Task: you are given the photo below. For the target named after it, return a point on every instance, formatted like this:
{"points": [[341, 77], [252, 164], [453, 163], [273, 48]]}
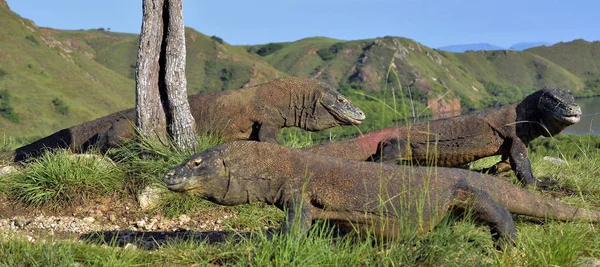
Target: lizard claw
{"points": [[548, 185]]}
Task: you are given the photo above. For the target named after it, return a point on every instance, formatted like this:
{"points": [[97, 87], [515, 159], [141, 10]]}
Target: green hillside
{"points": [[51, 79], [579, 57], [212, 64], [515, 72], [45, 85]]}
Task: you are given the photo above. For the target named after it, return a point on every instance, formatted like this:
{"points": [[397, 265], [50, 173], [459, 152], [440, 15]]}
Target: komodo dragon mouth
{"points": [[571, 114]]}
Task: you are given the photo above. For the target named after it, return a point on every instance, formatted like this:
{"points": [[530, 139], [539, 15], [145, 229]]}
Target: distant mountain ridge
{"points": [[527, 45], [461, 48]]}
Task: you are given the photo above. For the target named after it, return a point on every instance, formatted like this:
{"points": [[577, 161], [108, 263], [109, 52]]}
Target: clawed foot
{"points": [[496, 169], [548, 185]]}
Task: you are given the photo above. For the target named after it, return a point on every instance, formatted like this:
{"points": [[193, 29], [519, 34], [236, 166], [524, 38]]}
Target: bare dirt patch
{"points": [[107, 217]]}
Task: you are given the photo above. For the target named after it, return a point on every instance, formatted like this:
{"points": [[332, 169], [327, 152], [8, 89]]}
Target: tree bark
{"points": [[180, 120], [162, 109]]}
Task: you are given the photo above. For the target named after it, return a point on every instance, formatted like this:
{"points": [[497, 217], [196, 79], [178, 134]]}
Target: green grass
{"points": [[450, 244], [60, 179], [453, 242]]}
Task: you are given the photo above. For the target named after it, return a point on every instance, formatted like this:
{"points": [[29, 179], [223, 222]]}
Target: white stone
{"points": [[183, 218], [149, 198], [7, 170], [554, 160]]}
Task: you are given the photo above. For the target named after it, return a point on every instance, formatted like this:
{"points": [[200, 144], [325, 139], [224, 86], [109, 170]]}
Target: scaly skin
{"points": [[253, 113], [459, 140], [382, 198]]}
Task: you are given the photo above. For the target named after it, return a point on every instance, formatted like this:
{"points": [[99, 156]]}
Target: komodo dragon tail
{"points": [[520, 201]]}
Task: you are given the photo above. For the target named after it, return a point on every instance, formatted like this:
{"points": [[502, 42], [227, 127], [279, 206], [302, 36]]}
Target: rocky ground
{"points": [[105, 218]]}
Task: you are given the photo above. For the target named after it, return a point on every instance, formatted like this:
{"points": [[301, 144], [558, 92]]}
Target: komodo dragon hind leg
{"points": [[493, 214]]}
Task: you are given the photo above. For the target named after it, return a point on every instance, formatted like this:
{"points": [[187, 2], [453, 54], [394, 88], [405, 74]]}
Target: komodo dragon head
{"points": [[340, 107], [205, 175], [315, 105], [556, 109], [206, 165]]}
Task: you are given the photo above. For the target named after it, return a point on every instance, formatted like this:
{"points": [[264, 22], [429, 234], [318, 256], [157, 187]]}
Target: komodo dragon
{"points": [[311, 187], [253, 113], [459, 140]]}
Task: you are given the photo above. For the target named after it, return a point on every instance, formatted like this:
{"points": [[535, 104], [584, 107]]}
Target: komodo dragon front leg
{"points": [[267, 132], [519, 161]]}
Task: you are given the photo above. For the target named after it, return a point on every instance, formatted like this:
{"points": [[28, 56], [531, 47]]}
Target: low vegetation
{"points": [[6, 108], [60, 106], [265, 50], [58, 179], [330, 52], [61, 178]]}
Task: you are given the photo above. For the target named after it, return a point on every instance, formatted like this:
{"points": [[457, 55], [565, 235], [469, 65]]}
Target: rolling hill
{"points": [[51, 79]]}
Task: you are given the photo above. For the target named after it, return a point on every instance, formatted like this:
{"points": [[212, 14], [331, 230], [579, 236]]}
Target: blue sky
{"points": [[434, 23]]}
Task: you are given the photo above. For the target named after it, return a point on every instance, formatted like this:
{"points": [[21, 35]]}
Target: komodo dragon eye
{"points": [[342, 99], [197, 162]]}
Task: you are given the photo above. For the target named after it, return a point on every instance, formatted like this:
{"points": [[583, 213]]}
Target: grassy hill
{"points": [[51, 79], [580, 57], [212, 64], [44, 85]]}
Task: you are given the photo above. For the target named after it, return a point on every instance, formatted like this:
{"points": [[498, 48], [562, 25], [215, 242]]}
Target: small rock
{"points": [[130, 246], [103, 208], [7, 170], [183, 218], [588, 261], [150, 197], [88, 220], [141, 224], [107, 162], [554, 160]]}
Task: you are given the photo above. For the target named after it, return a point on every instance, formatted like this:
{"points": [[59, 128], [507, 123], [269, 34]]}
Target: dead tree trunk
{"points": [[162, 108]]}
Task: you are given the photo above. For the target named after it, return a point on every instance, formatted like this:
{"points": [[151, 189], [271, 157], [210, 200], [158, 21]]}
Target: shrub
{"points": [[60, 106], [226, 75], [6, 109], [32, 39], [267, 49], [330, 52], [216, 38], [209, 66]]}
